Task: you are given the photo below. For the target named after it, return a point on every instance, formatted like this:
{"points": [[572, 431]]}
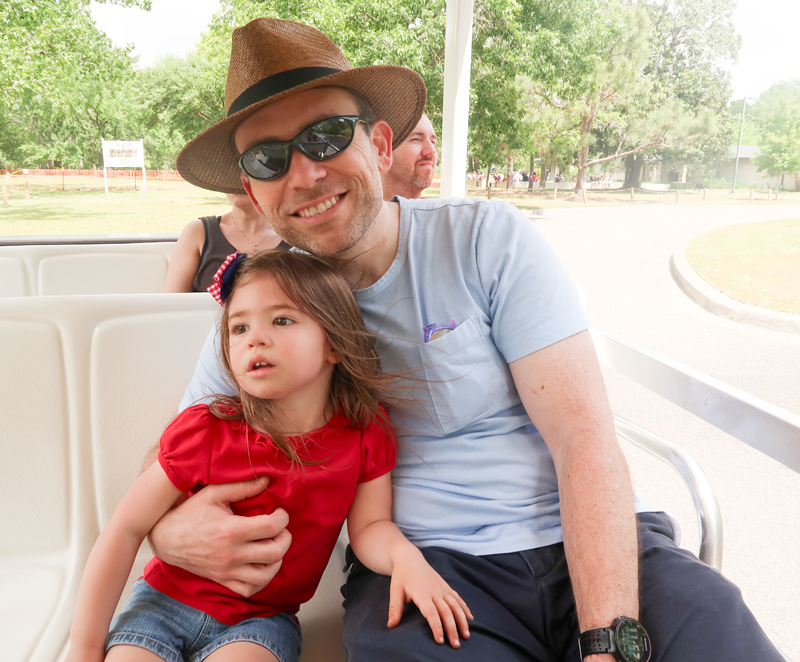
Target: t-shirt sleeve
{"points": [[185, 448], [378, 452], [209, 378], [533, 303]]}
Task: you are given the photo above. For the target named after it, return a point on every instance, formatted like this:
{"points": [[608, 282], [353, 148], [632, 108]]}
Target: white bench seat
{"points": [[84, 268], [87, 385]]}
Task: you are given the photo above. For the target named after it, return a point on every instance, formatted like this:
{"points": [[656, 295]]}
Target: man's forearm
{"points": [[600, 534], [562, 389]]}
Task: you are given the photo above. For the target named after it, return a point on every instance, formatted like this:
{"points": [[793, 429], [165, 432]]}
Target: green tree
{"points": [[57, 83], [553, 129], [175, 100], [500, 47], [369, 32], [60, 84], [592, 71], [693, 43], [777, 117]]}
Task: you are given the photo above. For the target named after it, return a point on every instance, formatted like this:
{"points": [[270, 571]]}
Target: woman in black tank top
{"points": [[206, 242]]}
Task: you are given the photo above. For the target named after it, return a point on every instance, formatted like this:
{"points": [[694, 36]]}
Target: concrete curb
{"points": [[715, 302]]}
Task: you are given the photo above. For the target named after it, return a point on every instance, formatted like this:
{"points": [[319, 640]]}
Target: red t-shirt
{"points": [[199, 449]]}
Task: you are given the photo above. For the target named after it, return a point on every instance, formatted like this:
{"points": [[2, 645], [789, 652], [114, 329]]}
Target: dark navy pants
{"points": [[524, 609]]}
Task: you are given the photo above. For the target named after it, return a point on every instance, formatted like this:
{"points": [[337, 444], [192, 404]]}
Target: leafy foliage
{"points": [[574, 81], [693, 44], [60, 84], [777, 117]]}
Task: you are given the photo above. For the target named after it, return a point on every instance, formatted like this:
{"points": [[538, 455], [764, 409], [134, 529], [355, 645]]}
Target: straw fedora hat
{"points": [[271, 59]]}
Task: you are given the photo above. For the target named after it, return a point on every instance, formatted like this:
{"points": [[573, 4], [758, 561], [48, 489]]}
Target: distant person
{"points": [[412, 163], [206, 242]]}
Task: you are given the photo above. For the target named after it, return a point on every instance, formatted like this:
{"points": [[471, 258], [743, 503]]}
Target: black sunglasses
{"points": [[321, 141]]}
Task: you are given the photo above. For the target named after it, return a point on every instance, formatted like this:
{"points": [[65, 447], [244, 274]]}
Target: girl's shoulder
{"points": [[200, 416]]}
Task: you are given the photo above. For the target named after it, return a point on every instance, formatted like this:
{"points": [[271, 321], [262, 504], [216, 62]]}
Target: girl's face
{"points": [[278, 352]]}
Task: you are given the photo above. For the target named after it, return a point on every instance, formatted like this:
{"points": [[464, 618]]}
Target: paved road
{"points": [[621, 255]]}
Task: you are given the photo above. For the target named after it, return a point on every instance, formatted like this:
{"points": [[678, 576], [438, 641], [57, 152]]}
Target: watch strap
{"points": [[593, 642]]}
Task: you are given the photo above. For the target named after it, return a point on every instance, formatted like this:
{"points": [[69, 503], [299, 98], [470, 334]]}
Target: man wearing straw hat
{"points": [[509, 476]]}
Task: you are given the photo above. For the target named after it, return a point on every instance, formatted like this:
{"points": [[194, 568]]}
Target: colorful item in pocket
{"points": [[436, 331]]}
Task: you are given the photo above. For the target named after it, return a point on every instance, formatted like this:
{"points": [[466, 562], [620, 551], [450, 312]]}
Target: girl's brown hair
{"points": [[316, 287]]}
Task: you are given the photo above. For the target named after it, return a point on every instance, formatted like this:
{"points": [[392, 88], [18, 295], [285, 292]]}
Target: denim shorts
{"points": [[177, 632]]}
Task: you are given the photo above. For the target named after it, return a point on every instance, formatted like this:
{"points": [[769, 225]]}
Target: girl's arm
{"points": [[111, 560], [380, 545]]}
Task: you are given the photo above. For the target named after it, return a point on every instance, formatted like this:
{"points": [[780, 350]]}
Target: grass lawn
{"points": [[92, 212], [755, 263]]}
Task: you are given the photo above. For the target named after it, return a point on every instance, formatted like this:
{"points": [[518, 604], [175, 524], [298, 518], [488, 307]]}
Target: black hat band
{"points": [[277, 83]]}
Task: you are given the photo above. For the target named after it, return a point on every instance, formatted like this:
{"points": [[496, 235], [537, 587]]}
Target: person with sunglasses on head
{"points": [[413, 163], [509, 476]]}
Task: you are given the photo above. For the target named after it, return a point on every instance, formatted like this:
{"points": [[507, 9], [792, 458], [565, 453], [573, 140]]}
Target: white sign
{"points": [[123, 154]]}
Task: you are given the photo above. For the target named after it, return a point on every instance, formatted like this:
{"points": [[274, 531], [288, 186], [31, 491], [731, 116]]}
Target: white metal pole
{"points": [[455, 115], [739, 146], [105, 175], [144, 171]]}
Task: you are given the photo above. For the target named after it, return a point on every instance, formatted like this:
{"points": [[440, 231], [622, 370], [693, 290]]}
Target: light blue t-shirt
{"points": [[473, 473]]}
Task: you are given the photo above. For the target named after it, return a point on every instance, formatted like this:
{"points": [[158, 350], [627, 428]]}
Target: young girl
{"points": [[307, 416]]}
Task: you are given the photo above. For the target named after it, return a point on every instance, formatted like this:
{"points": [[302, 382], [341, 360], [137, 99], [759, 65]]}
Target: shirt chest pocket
{"points": [[464, 382]]}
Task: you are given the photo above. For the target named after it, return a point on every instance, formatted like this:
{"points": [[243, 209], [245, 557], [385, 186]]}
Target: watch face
{"points": [[632, 641]]}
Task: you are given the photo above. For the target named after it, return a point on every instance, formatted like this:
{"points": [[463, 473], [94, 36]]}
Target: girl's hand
{"points": [[413, 580]]}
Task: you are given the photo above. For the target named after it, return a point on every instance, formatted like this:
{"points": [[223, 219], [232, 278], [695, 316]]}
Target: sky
{"points": [[768, 30]]}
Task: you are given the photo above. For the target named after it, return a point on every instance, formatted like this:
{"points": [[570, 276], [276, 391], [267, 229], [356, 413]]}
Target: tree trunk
{"points": [[583, 155], [510, 172], [583, 160], [530, 174], [542, 182], [634, 163], [629, 176], [488, 175], [553, 168]]}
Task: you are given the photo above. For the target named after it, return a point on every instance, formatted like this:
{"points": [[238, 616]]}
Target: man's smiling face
{"points": [[323, 207]]}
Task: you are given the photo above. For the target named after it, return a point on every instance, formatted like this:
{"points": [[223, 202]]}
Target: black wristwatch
{"points": [[626, 640]]}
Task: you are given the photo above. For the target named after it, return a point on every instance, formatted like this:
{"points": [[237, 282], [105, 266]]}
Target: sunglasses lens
{"points": [[327, 138], [265, 161], [321, 141]]}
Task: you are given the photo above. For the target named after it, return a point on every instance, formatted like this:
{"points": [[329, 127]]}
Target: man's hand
{"points": [[203, 536]]}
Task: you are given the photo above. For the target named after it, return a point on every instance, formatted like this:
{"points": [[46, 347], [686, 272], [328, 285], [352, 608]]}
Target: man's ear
{"points": [[248, 187], [381, 136]]}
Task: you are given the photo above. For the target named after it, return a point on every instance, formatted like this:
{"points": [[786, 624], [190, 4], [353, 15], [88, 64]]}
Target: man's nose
{"points": [[429, 148], [304, 172]]}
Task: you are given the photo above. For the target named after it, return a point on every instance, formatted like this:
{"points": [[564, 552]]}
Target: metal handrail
{"points": [[766, 427], [709, 516], [761, 425]]}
